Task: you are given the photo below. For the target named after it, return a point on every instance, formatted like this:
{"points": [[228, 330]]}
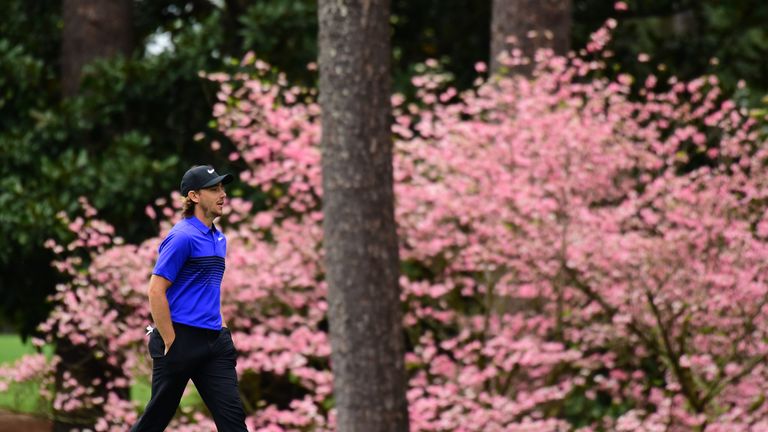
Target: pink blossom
{"points": [[555, 242]]}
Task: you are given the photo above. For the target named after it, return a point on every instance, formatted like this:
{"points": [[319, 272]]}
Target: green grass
{"points": [[26, 397], [11, 348], [23, 398]]}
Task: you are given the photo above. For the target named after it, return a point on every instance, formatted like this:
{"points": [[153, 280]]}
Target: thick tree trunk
{"points": [[361, 253], [93, 29], [534, 24]]}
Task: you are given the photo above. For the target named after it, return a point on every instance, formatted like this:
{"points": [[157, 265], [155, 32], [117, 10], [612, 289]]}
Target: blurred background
{"points": [[124, 134], [118, 119]]}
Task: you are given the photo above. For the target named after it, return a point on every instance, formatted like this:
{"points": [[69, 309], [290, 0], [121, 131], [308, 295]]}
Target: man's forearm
{"points": [[161, 312]]}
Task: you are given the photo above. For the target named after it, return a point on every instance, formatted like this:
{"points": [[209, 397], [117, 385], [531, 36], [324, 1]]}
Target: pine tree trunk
{"points": [[534, 24], [361, 252], [93, 29]]}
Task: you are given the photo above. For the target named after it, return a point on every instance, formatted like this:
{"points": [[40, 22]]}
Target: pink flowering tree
{"points": [[578, 253]]}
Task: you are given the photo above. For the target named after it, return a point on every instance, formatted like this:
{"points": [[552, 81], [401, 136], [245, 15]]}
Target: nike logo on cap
{"points": [[210, 171]]}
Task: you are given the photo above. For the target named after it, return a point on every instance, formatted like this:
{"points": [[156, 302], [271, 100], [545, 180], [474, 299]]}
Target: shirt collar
{"points": [[203, 228]]}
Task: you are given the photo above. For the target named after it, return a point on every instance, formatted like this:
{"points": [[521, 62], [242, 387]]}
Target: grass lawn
{"points": [[19, 397], [26, 397], [11, 348]]}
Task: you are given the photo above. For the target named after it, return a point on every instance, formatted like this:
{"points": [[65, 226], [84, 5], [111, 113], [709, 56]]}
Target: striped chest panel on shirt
{"points": [[205, 270]]}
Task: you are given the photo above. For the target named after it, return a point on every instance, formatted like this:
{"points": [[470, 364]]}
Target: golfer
{"points": [[190, 339]]}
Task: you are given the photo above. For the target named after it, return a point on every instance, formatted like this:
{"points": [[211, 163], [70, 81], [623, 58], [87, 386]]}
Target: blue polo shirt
{"points": [[192, 258]]}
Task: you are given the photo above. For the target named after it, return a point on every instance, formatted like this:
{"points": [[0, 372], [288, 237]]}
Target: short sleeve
{"points": [[173, 253]]}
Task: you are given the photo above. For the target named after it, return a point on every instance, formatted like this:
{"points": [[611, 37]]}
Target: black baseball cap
{"points": [[201, 177]]}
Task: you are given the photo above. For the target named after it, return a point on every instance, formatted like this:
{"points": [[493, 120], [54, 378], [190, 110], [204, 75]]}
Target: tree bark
{"points": [[361, 251], [93, 29], [534, 24]]}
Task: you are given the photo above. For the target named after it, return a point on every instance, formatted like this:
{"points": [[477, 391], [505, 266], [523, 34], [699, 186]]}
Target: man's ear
{"points": [[193, 195]]}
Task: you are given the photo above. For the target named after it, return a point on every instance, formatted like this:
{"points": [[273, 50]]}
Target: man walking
{"points": [[190, 340]]}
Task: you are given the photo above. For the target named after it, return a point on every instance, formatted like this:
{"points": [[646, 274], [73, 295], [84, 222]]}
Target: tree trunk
{"points": [[361, 252], [93, 29], [534, 24]]}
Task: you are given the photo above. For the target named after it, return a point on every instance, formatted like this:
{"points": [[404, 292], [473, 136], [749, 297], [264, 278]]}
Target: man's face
{"points": [[211, 200]]}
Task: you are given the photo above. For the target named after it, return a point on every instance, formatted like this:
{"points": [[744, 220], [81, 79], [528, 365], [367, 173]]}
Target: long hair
{"points": [[187, 207]]}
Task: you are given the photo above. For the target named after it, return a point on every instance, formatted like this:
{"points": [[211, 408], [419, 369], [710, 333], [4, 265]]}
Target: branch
{"points": [[673, 357], [610, 309]]}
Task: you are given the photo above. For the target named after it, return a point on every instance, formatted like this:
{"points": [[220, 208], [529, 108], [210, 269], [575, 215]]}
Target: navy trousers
{"points": [[208, 358]]}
